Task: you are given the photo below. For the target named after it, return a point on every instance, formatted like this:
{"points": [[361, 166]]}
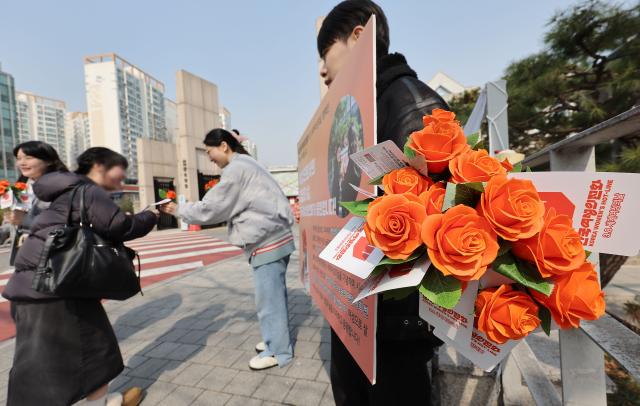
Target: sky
{"points": [[261, 54]]}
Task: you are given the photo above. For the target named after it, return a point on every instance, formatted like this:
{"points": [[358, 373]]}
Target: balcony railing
{"points": [[581, 350]]}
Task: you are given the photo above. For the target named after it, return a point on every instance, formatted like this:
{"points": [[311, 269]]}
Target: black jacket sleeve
{"points": [[110, 222]]}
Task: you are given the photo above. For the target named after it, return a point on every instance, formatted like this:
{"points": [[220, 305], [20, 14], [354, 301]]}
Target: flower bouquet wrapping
{"points": [[14, 196], [491, 252]]}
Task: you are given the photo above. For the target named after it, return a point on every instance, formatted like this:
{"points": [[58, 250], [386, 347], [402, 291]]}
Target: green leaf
{"points": [[162, 193], [376, 181], [521, 272], [473, 140], [416, 254], [409, 152], [456, 194], [477, 186], [358, 208], [545, 318], [529, 169], [398, 294], [587, 254], [442, 290], [517, 168]]}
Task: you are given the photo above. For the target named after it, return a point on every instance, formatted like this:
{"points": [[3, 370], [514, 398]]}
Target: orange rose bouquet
{"points": [[167, 194], [457, 207], [211, 184], [14, 195]]}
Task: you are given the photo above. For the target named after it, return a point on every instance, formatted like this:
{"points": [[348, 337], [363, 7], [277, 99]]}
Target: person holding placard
{"points": [[405, 343]]}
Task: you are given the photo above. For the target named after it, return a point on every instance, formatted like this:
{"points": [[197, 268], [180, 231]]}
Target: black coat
{"points": [[402, 101], [106, 218]]}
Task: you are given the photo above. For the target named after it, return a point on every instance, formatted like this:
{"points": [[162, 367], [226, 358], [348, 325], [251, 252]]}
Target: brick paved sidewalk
{"points": [[188, 341]]}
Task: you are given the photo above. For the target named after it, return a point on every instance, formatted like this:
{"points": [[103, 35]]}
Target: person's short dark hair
{"points": [[44, 152], [236, 131], [215, 137], [340, 22], [101, 156]]}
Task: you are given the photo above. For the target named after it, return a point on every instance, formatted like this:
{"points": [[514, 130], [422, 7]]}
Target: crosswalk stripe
{"points": [[172, 237], [184, 247], [188, 254], [168, 243], [171, 268]]}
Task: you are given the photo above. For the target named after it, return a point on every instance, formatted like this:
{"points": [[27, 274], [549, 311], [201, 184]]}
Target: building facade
{"points": [[8, 126], [78, 135], [41, 119], [171, 119], [124, 104], [446, 86], [225, 119]]}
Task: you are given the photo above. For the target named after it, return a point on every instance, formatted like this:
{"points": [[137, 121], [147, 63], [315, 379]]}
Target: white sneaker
{"points": [[261, 346], [114, 399], [258, 364]]}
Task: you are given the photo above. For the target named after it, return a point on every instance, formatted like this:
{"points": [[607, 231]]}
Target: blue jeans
{"points": [[273, 315]]}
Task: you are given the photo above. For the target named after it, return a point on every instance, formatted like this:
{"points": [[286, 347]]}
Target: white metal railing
{"points": [[582, 350]]}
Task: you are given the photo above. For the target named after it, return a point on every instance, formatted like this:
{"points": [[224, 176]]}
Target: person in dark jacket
{"points": [[404, 342], [33, 160], [66, 349]]}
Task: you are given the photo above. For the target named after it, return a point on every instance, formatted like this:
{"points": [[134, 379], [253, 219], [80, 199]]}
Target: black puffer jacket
{"points": [[402, 102], [105, 216]]}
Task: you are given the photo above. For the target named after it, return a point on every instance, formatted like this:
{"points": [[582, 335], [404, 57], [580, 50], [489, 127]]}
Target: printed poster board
{"points": [[343, 124]]}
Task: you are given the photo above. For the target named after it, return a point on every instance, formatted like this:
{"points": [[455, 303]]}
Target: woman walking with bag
{"points": [[66, 349], [260, 221]]}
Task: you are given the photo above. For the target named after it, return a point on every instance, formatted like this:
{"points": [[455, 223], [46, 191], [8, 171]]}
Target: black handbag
{"points": [[78, 263]]}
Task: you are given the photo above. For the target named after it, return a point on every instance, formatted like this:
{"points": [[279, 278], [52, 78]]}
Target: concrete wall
{"points": [[198, 113], [155, 159]]}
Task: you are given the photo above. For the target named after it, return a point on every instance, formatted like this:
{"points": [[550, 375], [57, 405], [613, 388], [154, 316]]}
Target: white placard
{"points": [[603, 206], [363, 192], [457, 323], [379, 159], [398, 277], [350, 251], [484, 353]]}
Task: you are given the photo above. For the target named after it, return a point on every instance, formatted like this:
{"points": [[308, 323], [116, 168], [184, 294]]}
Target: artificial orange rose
{"points": [[5, 183], [576, 296], [512, 207], [405, 180], [20, 186], [394, 223], [556, 249], [503, 314], [439, 141], [171, 194], [440, 116], [474, 166], [460, 242], [433, 198], [3, 190]]}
